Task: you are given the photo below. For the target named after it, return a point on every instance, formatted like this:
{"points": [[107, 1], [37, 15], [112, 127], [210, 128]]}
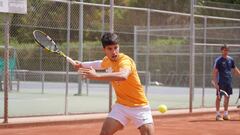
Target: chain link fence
{"points": [[155, 35]]}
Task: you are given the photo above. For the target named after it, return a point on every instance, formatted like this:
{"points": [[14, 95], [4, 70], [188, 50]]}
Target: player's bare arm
{"points": [[115, 76], [88, 64], [236, 71]]}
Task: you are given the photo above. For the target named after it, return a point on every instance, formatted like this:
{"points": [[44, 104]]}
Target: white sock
{"points": [[225, 113], [218, 113]]}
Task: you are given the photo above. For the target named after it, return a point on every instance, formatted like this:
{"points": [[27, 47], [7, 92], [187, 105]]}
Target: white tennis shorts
{"points": [[138, 115]]}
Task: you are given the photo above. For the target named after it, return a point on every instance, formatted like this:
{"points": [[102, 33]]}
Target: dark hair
{"points": [[224, 47], [109, 39]]}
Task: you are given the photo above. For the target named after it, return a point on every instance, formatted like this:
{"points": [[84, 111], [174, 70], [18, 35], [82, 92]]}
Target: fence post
{"points": [[68, 53], [6, 66], [80, 56], [192, 57], [204, 59], [148, 50], [111, 30]]}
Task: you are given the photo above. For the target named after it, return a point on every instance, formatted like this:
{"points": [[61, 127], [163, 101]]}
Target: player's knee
{"points": [[146, 129], [106, 132], [227, 98]]}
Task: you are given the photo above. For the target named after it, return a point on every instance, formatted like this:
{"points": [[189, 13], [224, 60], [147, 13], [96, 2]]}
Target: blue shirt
{"points": [[224, 66]]}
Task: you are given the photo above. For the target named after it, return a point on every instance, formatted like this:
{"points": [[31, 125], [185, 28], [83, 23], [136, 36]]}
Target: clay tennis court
{"points": [[184, 124]]}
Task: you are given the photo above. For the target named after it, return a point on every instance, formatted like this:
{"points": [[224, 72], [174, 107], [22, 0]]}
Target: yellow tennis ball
{"points": [[162, 108]]}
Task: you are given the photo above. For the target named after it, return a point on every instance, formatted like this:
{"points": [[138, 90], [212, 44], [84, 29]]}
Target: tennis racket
{"points": [[47, 43], [219, 91]]}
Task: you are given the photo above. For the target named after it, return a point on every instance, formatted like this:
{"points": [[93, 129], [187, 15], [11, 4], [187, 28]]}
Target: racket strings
{"points": [[46, 41]]}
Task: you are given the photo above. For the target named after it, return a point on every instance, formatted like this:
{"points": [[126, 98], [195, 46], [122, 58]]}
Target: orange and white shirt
{"points": [[129, 92]]}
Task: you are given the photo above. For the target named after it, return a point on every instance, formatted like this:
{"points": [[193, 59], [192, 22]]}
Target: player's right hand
{"points": [[77, 65]]}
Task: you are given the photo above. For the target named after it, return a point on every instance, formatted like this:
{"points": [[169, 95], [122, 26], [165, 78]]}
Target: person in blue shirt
{"points": [[222, 77]]}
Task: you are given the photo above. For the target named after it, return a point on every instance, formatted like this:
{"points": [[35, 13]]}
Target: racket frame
{"points": [[219, 91], [53, 42]]}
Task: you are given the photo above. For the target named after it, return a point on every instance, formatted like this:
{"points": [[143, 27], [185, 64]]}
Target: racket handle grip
{"points": [[70, 60]]}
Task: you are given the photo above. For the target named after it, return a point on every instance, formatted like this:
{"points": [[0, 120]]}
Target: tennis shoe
{"points": [[219, 118], [226, 117]]}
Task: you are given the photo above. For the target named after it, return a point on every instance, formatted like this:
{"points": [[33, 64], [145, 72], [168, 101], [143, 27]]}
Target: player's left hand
{"points": [[89, 73], [77, 65]]}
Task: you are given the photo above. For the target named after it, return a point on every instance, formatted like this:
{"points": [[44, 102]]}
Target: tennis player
{"points": [[131, 103], [222, 76]]}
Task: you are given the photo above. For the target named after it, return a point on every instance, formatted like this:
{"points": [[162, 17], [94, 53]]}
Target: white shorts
{"points": [[138, 115]]}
